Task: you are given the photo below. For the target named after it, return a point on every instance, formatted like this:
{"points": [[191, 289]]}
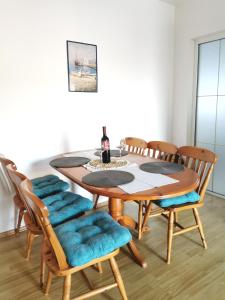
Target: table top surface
{"points": [[188, 181]]}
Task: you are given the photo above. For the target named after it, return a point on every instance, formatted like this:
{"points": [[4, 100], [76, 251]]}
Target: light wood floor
{"points": [[194, 273]]}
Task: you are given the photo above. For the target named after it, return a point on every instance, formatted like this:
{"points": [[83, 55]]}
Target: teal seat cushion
{"points": [[48, 185], [190, 197], [39, 181], [66, 205], [90, 237]]}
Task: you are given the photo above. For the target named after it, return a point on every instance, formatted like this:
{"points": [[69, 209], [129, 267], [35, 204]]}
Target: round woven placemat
{"points": [[161, 167], [114, 153], [69, 162], [110, 178]]}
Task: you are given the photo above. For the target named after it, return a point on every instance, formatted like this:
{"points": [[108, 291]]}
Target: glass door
{"points": [[210, 109]]}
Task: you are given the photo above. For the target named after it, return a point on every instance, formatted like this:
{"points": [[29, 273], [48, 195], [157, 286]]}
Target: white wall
{"points": [[39, 118], [194, 19]]}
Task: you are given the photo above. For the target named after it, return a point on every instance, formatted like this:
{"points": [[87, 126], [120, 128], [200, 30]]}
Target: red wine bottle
{"points": [[105, 147]]}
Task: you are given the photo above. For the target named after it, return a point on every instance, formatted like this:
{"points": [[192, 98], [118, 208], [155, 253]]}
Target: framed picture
{"points": [[82, 67]]}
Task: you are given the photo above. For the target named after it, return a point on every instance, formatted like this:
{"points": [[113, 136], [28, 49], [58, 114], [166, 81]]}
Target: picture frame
{"points": [[82, 67]]}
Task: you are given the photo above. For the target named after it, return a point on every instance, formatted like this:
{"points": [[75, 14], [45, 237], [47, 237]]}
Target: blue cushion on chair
{"points": [[90, 237], [65, 205], [190, 197], [48, 185], [45, 179]]}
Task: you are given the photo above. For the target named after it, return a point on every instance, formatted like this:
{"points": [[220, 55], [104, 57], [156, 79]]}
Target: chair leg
{"points": [[20, 217], [200, 227], [95, 200], [42, 273], [30, 238], [176, 217], [67, 286], [49, 282], [170, 235], [99, 267], [145, 205], [147, 213], [140, 217], [118, 277]]}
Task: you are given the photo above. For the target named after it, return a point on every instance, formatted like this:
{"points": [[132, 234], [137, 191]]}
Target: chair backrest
{"points": [[16, 178], [136, 145], [41, 214], [4, 162], [200, 160], [162, 150]]}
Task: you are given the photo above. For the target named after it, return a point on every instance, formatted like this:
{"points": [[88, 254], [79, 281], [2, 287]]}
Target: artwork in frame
{"points": [[82, 67]]}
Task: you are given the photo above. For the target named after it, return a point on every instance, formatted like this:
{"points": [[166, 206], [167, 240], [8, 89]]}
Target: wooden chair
{"points": [[54, 255], [16, 199], [162, 150], [64, 205], [33, 229], [136, 145], [45, 186], [202, 161]]}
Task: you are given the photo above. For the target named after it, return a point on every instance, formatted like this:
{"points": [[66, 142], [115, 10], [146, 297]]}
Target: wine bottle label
{"points": [[105, 145]]}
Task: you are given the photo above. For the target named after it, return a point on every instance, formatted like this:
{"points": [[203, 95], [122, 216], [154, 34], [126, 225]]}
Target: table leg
{"points": [[116, 208], [116, 211]]}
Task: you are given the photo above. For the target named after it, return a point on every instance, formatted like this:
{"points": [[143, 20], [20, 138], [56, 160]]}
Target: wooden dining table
{"points": [[188, 181]]}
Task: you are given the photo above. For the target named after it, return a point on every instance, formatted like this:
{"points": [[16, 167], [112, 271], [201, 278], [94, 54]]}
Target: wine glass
{"points": [[122, 146], [99, 152]]}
